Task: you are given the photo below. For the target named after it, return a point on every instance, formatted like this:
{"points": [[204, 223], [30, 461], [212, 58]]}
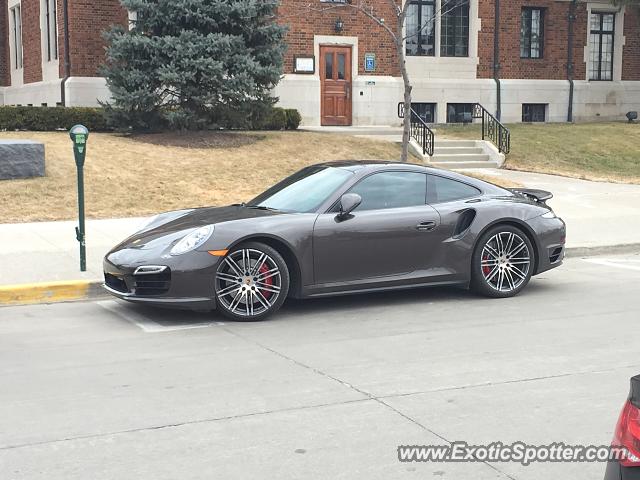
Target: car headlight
{"points": [[549, 214], [193, 240]]}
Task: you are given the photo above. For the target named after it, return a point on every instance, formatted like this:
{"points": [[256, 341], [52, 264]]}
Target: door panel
{"points": [[335, 85], [457, 254], [374, 243]]}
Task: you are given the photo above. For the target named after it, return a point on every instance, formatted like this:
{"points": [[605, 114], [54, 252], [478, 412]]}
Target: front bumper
{"points": [[187, 282]]}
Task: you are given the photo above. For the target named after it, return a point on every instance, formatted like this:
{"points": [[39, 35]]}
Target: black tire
{"points": [[254, 295], [489, 270]]}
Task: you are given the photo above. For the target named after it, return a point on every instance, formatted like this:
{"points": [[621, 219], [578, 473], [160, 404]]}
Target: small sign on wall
{"points": [[304, 64], [369, 62]]}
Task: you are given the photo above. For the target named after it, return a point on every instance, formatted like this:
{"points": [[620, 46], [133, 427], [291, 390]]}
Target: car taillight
{"points": [[627, 434]]}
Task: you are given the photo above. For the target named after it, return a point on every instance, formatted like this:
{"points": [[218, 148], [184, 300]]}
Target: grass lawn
{"points": [[141, 175], [132, 176], [592, 151]]}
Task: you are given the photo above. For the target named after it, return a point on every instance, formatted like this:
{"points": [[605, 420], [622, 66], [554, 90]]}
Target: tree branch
{"points": [[368, 11]]}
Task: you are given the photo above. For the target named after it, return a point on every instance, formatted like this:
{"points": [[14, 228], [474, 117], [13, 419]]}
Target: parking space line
{"points": [[146, 324], [615, 263]]}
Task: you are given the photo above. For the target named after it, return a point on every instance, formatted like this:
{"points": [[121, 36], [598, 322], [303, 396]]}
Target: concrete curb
{"points": [[50, 292], [574, 252], [55, 292]]}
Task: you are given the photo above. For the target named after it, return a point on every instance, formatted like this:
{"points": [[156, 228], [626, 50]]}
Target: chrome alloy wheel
{"points": [[248, 282], [506, 261]]}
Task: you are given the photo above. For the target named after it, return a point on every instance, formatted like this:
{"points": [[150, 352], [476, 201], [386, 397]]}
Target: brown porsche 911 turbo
{"points": [[340, 228]]}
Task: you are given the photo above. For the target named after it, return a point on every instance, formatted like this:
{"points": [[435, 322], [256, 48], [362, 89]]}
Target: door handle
{"points": [[426, 226], [347, 89]]}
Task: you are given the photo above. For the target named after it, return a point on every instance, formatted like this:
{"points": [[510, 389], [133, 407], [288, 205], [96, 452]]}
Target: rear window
{"points": [[441, 189]]}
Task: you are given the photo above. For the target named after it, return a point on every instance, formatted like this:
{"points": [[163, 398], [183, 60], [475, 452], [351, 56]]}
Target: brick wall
{"points": [[4, 44], [87, 20], [304, 22], [554, 61], [31, 41], [631, 49]]}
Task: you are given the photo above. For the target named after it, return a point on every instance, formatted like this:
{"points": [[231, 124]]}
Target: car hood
{"points": [[171, 226]]}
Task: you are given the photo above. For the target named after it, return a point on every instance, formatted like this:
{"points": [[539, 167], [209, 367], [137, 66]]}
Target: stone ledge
{"points": [[21, 159]]}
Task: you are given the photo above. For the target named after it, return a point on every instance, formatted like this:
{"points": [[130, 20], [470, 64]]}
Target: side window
{"points": [[391, 190], [440, 189]]}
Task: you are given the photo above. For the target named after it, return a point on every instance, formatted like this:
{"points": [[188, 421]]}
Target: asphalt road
{"points": [[326, 390]]}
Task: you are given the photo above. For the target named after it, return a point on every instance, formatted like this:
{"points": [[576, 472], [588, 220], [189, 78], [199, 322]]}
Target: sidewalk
{"points": [[389, 134], [49, 251], [598, 215]]}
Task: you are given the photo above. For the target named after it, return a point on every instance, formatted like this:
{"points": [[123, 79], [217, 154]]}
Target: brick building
{"points": [[34, 67], [551, 60]]}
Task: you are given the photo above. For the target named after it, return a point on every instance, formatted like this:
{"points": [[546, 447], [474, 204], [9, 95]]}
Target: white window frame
{"points": [[15, 26], [49, 30], [440, 7], [133, 18], [618, 38]]}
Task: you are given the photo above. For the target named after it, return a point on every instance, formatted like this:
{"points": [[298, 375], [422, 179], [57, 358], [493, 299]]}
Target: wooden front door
{"points": [[335, 88]]}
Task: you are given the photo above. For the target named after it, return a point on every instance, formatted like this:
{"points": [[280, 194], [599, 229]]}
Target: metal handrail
{"points": [[492, 129], [420, 131]]}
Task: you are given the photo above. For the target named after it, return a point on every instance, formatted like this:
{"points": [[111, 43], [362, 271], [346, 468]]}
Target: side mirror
{"points": [[348, 203]]}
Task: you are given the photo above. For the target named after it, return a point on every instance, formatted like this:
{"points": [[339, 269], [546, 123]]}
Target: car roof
{"points": [[370, 165], [364, 167]]}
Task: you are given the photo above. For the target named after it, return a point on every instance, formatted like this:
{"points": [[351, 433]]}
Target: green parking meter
{"points": [[79, 136]]}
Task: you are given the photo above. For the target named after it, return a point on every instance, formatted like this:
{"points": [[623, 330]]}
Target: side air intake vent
{"points": [[464, 222]]}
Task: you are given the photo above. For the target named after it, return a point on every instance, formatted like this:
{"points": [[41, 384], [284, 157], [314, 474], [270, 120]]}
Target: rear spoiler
{"points": [[634, 395], [540, 196]]}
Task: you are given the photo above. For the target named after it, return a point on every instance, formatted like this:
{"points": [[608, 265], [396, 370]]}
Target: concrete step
{"points": [[455, 143], [446, 150], [463, 165], [472, 157]]}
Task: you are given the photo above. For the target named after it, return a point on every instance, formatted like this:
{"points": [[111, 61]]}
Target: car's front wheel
{"points": [[502, 263], [252, 282]]}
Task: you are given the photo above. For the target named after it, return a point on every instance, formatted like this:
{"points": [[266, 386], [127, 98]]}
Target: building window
{"points": [[16, 32], [531, 32], [601, 46], [534, 112], [454, 29], [421, 28], [50, 30], [459, 112], [426, 111]]}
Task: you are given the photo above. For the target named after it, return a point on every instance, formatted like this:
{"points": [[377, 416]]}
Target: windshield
{"points": [[303, 191]]}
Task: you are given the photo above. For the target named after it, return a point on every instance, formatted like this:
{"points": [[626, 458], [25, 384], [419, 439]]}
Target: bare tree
{"points": [[396, 34]]}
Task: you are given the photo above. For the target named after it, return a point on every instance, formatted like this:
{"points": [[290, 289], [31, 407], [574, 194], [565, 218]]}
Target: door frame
{"points": [[353, 65]]}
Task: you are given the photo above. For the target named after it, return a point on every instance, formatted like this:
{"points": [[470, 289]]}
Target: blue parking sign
{"points": [[369, 62]]}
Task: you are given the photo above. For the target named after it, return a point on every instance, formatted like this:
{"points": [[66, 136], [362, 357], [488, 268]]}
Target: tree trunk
{"points": [[406, 132]]}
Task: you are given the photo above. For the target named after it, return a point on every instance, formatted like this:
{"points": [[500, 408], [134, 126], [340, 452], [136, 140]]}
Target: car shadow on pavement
{"points": [[358, 301], [421, 297]]}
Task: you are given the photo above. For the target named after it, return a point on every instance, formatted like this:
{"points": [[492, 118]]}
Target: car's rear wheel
{"points": [[502, 262], [252, 282]]}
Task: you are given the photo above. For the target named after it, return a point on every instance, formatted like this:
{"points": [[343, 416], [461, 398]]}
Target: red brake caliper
{"points": [[485, 268], [268, 281]]}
